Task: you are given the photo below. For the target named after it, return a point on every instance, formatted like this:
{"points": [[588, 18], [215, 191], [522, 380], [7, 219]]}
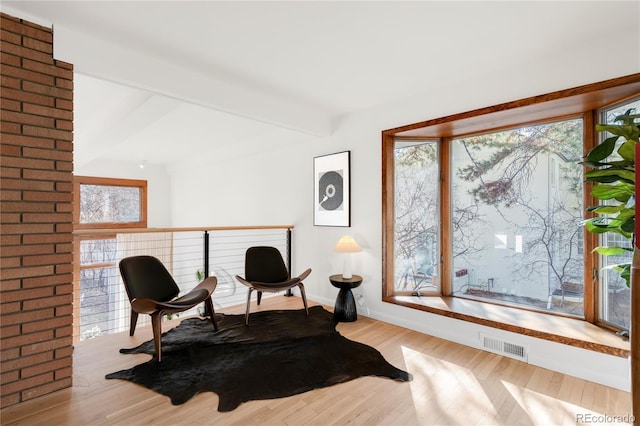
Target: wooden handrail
{"points": [[101, 231]]}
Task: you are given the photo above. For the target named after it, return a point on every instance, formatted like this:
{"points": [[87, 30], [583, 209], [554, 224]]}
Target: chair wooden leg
{"points": [[259, 297], [156, 321], [246, 314], [133, 322], [304, 297], [209, 308]]}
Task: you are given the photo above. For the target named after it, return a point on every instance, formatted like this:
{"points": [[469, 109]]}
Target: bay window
{"points": [[489, 205]]}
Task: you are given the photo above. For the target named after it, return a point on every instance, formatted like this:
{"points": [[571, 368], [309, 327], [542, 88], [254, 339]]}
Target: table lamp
{"points": [[347, 245]]}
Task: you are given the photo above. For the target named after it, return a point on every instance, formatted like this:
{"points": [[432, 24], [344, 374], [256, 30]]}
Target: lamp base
{"points": [[346, 268]]}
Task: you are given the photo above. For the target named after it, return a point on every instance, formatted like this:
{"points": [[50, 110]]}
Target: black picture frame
{"points": [[332, 189]]}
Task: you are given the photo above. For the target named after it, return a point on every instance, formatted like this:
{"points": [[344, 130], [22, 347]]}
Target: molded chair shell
{"points": [[265, 271], [152, 290]]}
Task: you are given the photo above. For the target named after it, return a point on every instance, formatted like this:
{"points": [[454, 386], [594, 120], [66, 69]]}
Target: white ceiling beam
{"points": [[99, 58], [141, 112]]}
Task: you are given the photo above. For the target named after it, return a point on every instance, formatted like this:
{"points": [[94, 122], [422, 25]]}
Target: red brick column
{"points": [[36, 165]]}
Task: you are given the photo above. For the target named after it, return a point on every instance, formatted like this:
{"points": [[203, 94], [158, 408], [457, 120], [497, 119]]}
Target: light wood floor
{"points": [[452, 385]]}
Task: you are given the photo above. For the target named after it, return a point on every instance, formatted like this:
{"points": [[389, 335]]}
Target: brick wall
{"points": [[36, 165]]}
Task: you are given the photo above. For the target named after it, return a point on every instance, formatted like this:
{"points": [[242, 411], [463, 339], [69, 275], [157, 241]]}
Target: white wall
{"points": [[276, 187]]}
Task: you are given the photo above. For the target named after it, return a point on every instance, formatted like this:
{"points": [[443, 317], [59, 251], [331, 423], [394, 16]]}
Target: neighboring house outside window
{"points": [[518, 231]]}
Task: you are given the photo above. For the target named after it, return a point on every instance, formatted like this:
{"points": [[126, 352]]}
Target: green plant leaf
{"points": [[607, 192], [610, 175], [594, 163], [611, 250], [627, 117], [616, 267], [626, 214], [629, 225], [626, 164], [626, 274], [624, 269], [606, 209], [629, 132], [619, 164], [627, 150], [595, 228], [615, 181], [604, 179], [603, 150]]}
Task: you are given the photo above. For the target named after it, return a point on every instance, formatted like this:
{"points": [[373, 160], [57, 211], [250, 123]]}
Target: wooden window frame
{"points": [[579, 102], [92, 180], [103, 181]]}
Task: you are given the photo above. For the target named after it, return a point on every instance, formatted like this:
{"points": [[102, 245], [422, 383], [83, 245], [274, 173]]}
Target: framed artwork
{"points": [[332, 189]]}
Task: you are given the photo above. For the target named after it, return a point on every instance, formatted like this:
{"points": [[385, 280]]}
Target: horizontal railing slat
{"points": [[89, 232]]}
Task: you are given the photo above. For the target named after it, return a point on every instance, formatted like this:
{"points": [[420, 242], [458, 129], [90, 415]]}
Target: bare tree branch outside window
{"points": [[526, 183]]}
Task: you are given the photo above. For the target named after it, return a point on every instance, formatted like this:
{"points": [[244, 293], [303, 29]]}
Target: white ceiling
{"points": [[315, 60]]}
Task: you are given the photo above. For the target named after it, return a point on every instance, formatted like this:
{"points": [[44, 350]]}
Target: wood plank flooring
{"points": [[452, 385]]}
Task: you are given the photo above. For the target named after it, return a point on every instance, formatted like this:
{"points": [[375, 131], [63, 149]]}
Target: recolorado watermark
{"points": [[590, 418]]}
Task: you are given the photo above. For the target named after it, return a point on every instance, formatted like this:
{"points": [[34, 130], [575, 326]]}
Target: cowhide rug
{"points": [[280, 353]]}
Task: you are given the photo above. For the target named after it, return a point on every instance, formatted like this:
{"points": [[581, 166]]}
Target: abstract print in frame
{"points": [[332, 189]]}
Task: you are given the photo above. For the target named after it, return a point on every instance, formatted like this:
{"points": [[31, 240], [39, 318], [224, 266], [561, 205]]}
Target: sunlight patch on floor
{"points": [[431, 373], [546, 410]]}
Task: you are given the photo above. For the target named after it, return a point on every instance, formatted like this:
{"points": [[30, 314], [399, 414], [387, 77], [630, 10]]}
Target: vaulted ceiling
{"points": [[204, 75]]}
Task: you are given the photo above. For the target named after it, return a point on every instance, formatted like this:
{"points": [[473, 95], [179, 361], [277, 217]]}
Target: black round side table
{"points": [[345, 308]]}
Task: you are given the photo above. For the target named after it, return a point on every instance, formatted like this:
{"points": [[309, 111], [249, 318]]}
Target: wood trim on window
{"points": [[563, 103], [590, 239], [388, 141], [93, 180], [446, 244]]}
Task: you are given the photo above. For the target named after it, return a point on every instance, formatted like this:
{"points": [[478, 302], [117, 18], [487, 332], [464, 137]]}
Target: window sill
{"points": [[568, 331]]}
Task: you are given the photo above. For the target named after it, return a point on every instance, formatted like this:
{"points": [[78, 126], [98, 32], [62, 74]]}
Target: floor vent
{"points": [[502, 347]]}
